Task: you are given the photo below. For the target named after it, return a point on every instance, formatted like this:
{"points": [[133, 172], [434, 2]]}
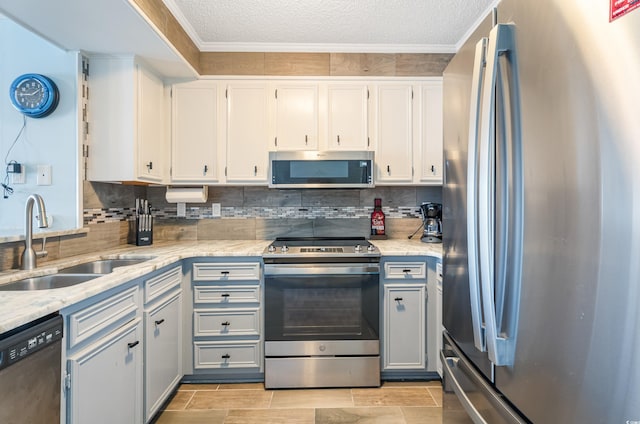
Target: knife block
{"points": [[141, 230]]}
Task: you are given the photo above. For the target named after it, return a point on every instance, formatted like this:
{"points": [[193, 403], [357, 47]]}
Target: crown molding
{"points": [[325, 48]]}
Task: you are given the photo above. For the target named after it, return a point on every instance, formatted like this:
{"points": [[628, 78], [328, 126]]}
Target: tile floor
{"points": [[393, 403]]}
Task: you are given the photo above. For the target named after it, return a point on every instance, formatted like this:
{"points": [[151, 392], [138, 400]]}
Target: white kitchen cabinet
{"points": [[296, 116], [347, 116], [105, 384], [393, 134], [227, 318], [247, 144], [162, 338], [127, 138], [194, 137], [439, 326], [429, 149]]}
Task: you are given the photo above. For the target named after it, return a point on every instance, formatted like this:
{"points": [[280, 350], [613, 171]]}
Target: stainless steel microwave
{"points": [[314, 169]]}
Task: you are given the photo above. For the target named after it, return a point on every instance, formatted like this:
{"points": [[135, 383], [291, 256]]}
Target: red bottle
{"points": [[377, 218]]}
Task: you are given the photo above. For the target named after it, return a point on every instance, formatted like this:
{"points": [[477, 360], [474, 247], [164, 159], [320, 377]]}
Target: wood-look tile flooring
{"points": [[393, 403]]}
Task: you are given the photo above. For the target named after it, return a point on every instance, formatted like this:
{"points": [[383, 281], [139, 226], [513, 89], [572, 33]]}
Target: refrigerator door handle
{"points": [[472, 196], [500, 177]]}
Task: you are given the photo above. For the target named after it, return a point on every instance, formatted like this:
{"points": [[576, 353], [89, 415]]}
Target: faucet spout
{"points": [[29, 255]]}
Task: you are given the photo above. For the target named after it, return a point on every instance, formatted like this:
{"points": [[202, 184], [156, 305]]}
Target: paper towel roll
{"points": [[187, 194]]}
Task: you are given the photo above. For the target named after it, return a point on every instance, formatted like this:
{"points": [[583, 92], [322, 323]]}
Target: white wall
{"points": [[52, 140]]}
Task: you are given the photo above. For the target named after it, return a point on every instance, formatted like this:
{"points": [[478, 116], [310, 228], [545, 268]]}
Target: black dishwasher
{"points": [[30, 372]]}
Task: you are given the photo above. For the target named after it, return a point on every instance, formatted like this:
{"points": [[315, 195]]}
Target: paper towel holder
{"points": [[187, 194]]}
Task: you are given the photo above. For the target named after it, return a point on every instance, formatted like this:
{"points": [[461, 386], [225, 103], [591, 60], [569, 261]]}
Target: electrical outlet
{"points": [[215, 210], [19, 178]]}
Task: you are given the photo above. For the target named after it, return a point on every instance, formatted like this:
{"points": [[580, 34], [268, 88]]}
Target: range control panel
{"points": [[29, 339]]}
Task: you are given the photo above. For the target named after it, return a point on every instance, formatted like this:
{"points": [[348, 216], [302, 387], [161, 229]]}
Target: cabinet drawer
{"points": [[405, 270], [225, 295], [162, 283], [222, 355], [226, 271], [230, 322], [103, 316]]}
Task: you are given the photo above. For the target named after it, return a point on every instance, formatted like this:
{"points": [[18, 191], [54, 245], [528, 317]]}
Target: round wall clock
{"points": [[34, 95]]}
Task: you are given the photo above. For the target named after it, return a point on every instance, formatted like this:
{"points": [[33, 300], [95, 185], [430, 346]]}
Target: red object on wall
{"points": [[377, 219], [622, 7]]}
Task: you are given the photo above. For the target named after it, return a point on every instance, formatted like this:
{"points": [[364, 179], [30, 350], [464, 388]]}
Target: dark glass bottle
{"points": [[377, 218]]}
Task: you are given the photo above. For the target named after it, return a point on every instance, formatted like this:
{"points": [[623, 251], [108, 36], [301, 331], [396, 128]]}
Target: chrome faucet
{"points": [[29, 255]]}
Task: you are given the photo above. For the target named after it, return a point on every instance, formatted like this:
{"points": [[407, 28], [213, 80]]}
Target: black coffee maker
{"points": [[432, 220]]}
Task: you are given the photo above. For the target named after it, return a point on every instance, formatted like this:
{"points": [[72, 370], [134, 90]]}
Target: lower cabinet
{"points": [[104, 375], [404, 328], [163, 347], [226, 320], [123, 353]]}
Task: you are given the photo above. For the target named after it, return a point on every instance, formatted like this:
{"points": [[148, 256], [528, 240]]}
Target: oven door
{"points": [[321, 302]]}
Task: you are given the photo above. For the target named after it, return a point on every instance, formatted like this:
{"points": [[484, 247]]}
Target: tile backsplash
{"points": [[252, 212]]}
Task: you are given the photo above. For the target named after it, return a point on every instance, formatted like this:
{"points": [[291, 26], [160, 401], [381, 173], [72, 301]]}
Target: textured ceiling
{"points": [[429, 26]]}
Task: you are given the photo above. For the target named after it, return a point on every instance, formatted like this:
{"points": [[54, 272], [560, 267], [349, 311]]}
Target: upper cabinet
{"points": [[296, 116], [393, 133], [429, 146], [247, 133], [127, 130], [194, 135], [222, 130], [347, 116]]}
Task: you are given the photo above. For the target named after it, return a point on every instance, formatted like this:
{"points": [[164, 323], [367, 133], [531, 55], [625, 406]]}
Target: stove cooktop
{"points": [[320, 246]]}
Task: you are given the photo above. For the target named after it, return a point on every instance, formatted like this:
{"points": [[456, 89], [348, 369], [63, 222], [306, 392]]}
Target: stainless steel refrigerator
{"points": [[541, 217]]}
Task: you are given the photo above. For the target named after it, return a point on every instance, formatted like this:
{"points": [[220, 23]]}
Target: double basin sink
{"points": [[70, 276]]}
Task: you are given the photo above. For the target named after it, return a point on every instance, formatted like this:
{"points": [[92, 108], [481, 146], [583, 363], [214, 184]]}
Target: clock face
{"points": [[34, 95]]}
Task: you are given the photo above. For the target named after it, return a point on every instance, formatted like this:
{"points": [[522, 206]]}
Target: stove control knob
{"points": [[371, 248], [272, 248], [284, 248], [358, 248]]}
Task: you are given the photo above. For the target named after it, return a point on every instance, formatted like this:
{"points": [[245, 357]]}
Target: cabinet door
{"points": [[247, 133], [347, 117], [106, 379], [394, 134], [296, 116], [430, 165], [194, 137], [404, 327], [162, 352], [151, 139]]}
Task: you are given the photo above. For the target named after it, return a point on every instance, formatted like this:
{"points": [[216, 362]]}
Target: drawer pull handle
{"points": [[134, 344], [159, 321], [398, 299], [225, 295], [226, 356], [406, 271], [226, 323]]}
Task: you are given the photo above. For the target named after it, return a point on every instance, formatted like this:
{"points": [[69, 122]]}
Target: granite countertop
{"points": [[21, 307]]}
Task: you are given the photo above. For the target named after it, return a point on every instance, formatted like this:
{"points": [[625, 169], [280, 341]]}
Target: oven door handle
{"points": [[321, 269]]}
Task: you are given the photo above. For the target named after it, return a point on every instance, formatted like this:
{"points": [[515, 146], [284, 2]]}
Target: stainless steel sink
{"points": [[46, 282], [101, 266]]}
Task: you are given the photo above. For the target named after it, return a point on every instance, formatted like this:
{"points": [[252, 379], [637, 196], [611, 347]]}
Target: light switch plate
{"points": [[44, 175]]}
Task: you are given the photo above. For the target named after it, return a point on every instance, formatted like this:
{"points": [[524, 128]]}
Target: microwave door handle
{"points": [[472, 197], [501, 259]]}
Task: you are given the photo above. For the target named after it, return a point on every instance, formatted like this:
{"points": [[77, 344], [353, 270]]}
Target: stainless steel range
{"points": [[322, 313]]}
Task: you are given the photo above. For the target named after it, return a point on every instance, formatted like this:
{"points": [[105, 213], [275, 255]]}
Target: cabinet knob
{"points": [[226, 356], [204, 171], [306, 139], [255, 170], [150, 166], [133, 344], [433, 169], [389, 169], [338, 139], [159, 321]]}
